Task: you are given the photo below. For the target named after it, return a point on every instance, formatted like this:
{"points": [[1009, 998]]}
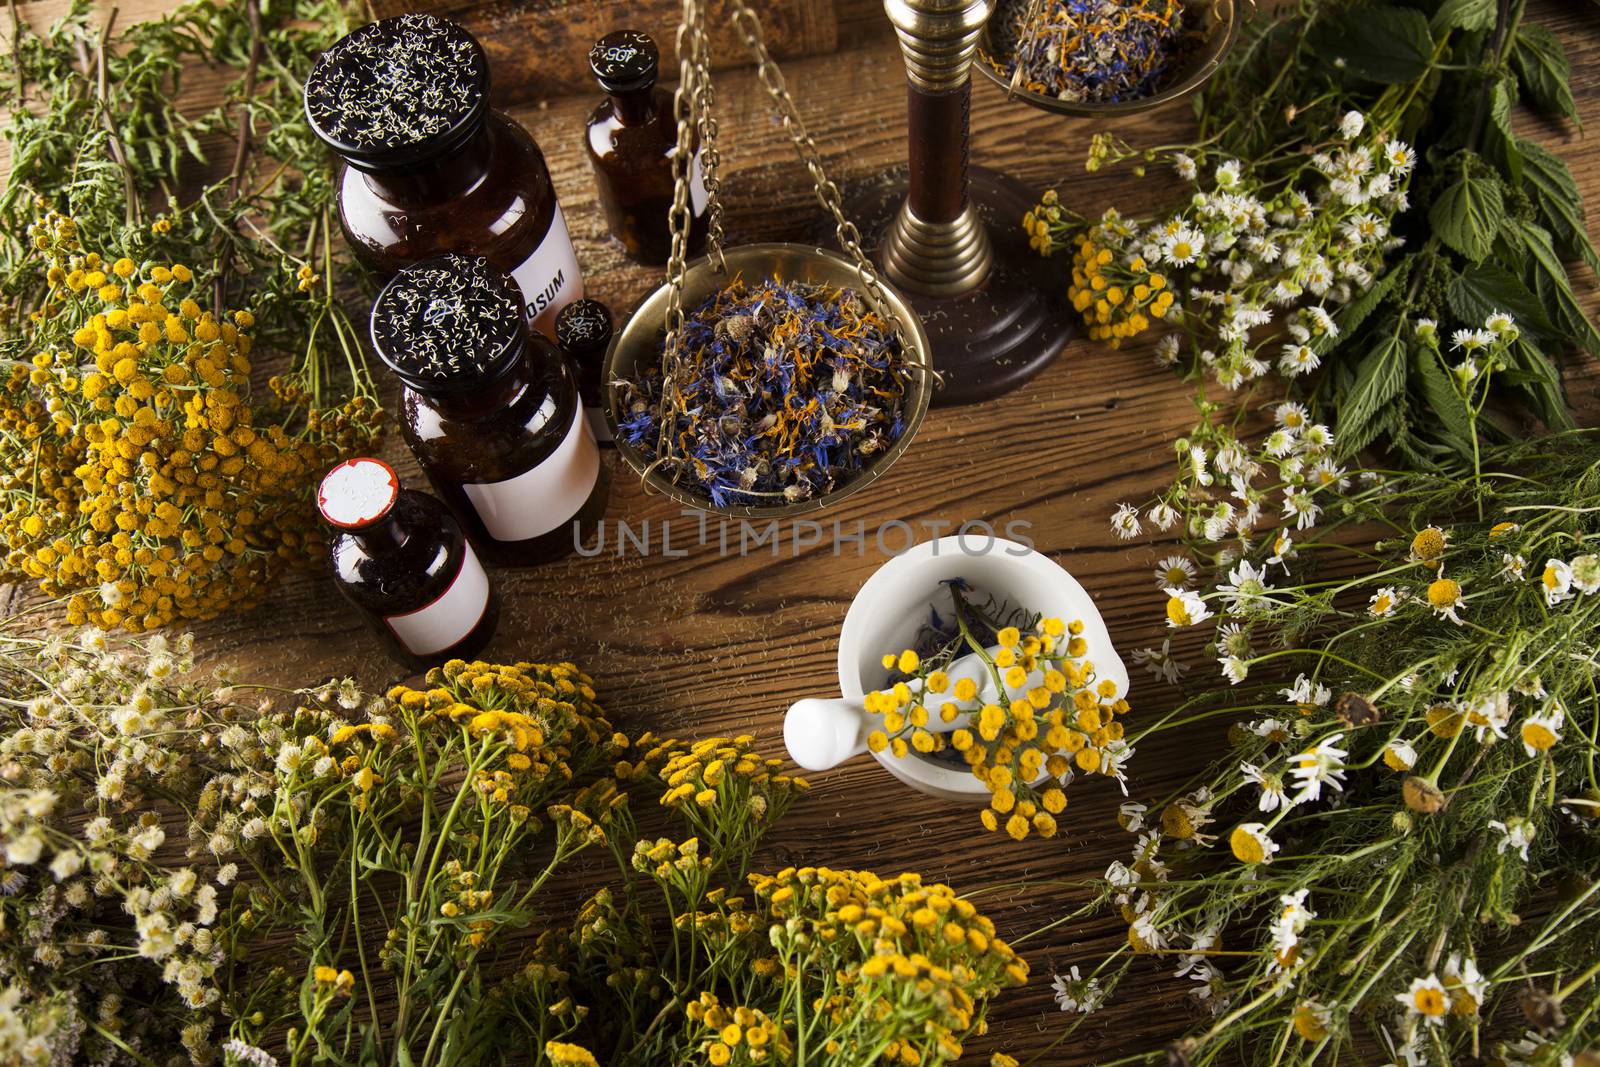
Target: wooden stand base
{"points": [[992, 340]]}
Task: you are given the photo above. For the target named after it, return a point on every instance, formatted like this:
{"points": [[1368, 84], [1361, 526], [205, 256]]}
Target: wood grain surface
{"points": [[698, 644]]}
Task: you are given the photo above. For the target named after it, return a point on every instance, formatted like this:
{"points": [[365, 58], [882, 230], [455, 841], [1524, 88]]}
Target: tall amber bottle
{"points": [[430, 167], [632, 137], [490, 409]]}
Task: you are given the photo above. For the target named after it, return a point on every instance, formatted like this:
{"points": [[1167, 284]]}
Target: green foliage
{"points": [[1493, 220], [242, 192]]}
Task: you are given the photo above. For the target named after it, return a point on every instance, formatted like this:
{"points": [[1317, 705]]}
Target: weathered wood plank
{"points": [[702, 644]]}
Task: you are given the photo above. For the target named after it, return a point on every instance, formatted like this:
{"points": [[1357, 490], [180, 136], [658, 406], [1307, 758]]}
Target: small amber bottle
{"points": [[401, 558], [583, 330], [430, 167], [632, 137], [490, 409]]}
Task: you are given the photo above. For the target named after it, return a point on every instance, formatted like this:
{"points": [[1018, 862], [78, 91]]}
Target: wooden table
{"points": [[698, 644]]}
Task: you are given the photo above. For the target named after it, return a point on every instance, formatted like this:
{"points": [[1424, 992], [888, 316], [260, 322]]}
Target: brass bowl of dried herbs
{"points": [[1104, 58], [789, 392]]}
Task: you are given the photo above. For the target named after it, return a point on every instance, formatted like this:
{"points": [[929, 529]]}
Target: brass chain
{"points": [[692, 107], [827, 193]]}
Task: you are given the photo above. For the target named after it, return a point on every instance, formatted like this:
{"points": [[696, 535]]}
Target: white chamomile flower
{"points": [[1076, 994], [1351, 125], [1297, 359], [1426, 331], [1185, 608], [1178, 572], [1426, 999], [1125, 522], [1585, 571], [1516, 834], [1399, 156], [1273, 796], [1557, 581], [1540, 732], [1513, 568], [1246, 584], [1227, 174], [1500, 323], [1234, 669], [1291, 416], [1183, 246], [1251, 844], [1399, 755], [1167, 350], [1307, 695], [1321, 764], [1465, 983], [1185, 166], [1161, 662], [1163, 516]]}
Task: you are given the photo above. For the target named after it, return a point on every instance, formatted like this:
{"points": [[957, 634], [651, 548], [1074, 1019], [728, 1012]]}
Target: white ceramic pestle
{"points": [[821, 734]]}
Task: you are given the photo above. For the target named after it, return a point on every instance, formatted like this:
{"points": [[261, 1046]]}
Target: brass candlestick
{"points": [[949, 234]]}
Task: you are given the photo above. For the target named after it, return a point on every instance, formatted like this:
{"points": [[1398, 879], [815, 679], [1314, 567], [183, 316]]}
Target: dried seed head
{"points": [[1353, 709], [1542, 1010], [1422, 796]]}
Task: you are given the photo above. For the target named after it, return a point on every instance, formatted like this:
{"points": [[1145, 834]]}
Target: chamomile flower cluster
{"points": [[146, 482], [1430, 744], [1254, 273], [1027, 715]]}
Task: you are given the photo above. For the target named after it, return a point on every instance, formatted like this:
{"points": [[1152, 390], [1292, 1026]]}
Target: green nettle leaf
{"points": [[1548, 180], [1353, 314], [1452, 422], [1380, 378], [1540, 61], [1552, 286], [1542, 388], [1467, 215], [1501, 142], [1481, 290], [1387, 45], [1463, 15]]}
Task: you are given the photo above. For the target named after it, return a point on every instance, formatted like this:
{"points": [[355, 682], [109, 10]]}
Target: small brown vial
{"points": [[401, 558], [632, 138], [583, 330], [491, 410], [430, 167]]}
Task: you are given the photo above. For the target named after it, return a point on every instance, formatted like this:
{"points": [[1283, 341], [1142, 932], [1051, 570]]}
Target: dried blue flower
{"points": [[781, 392]]}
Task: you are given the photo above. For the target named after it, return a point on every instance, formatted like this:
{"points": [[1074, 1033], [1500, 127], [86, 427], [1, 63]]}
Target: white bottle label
{"points": [[451, 617], [549, 279], [699, 196], [546, 496]]}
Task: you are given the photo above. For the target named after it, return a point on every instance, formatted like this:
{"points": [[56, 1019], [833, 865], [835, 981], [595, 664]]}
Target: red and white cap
{"points": [[357, 493]]}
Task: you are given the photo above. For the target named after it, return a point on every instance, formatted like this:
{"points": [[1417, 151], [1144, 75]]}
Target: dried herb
{"points": [[1092, 51], [788, 390]]}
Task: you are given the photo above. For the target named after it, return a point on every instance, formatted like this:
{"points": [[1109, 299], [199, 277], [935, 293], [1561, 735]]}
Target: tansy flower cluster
{"points": [[144, 479], [723, 788], [737, 1036], [910, 964], [1039, 716]]}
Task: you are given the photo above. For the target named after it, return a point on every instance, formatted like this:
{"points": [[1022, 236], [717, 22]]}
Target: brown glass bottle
{"points": [[401, 558], [491, 410], [632, 137], [430, 167], [583, 330]]}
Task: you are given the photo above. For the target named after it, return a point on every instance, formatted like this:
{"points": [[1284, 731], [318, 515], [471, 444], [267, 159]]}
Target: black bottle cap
{"points": [[398, 91], [583, 328], [449, 324], [624, 61], [358, 493]]}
